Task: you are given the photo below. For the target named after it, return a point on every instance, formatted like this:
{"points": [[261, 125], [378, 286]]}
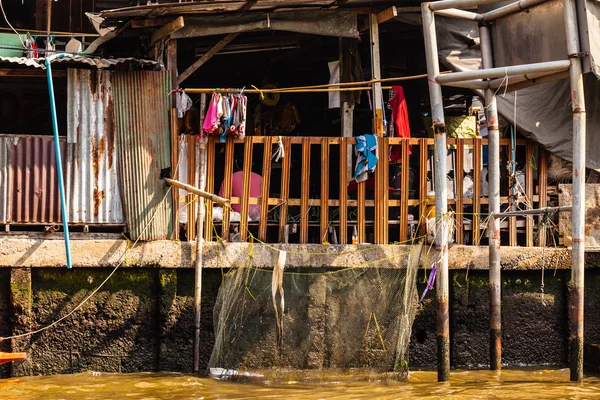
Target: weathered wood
{"points": [[285, 187], [376, 74], [343, 236], [150, 23], [305, 191], [229, 147], [384, 161], [266, 181], [459, 174], [324, 190], [248, 150], [166, 30], [477, 142], [361, 214], [423, 158], [210, 185], [175, 171], [543, 193], [192, 189], [512, 221], [191, 178], [209, 54], [387, 14], [404, 192], [529, 193]]}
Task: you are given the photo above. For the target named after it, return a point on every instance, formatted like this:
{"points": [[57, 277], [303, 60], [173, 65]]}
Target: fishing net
{"points": [[311, 320]]}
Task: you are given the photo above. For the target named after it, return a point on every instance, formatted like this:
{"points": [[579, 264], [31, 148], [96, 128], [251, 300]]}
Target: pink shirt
{"points": [[237, 189]]}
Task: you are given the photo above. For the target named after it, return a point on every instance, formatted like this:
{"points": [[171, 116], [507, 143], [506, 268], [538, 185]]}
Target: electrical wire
{"points": [[11, 27]]}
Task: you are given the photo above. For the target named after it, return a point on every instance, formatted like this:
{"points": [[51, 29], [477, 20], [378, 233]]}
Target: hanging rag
{"points": [[334, 77], [366, 156], [211, 120], [400, 120], [350, 69], [430, 281]]}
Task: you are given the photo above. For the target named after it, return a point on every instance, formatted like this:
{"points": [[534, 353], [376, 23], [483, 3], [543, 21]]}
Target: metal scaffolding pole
{"points": [[490, 73], [494, 207], [578, 212], [441, 194]]}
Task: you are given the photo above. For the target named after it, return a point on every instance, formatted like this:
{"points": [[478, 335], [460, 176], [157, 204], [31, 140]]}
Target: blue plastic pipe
{"points": [[61, 182]]}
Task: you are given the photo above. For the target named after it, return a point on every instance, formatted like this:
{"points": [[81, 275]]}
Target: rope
{"points": [[122, 260]]}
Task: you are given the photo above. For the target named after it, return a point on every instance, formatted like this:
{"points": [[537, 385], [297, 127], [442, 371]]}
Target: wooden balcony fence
{"points": [[305, 197]]}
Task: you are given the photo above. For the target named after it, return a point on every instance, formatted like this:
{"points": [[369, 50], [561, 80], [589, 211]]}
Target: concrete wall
{"points": [[142, 319]]}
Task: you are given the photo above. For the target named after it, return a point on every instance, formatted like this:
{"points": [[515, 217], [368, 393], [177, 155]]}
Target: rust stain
{"points": [[109, 118], [576, 173], [98, 198], [93, 82]]}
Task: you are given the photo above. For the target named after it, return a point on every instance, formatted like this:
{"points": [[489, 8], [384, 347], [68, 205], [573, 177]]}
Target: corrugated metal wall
{"points": [[30, 193], [143, 148], [92, 188]]}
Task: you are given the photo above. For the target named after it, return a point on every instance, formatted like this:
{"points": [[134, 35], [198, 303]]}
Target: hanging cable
{"points": [[11, 27]]}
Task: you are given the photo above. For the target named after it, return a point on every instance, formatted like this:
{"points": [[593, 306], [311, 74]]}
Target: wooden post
{"points": [[344, 191], [459, 175], [264, 196], [377, 121], [424, 157], [229, 147], [48, 22], [476, 190], [305, 191], [324, 190], [404, 192], [285, 187], [210, 184], [248, 148], [172, 66], [529, 193], [512, 221], [201, 171], [543, 194]]}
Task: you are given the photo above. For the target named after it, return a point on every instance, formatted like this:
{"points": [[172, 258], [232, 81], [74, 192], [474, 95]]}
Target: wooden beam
{"points": [[476, 189], [324, 190], [150, 23], [305, 192], [229, 147], [31, 73], [266, 180], [248, 150], [387, 14], [285, 187], [343, 236], [459, 175], [202, 60], [166, 30], [529, 193], [248, 5], [210, 184], [423, 158]]}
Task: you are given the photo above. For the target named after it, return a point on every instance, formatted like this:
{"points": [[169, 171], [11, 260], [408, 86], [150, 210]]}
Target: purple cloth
{"points": [[430, 281]]}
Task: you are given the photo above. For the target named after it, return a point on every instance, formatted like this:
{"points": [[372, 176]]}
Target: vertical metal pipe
{"points": [[494, 207], [441, 193], [201, 173], [578, 212], [59, 170]]}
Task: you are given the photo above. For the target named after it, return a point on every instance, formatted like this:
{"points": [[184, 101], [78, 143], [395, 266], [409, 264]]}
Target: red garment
{"points": [[400, 118]]}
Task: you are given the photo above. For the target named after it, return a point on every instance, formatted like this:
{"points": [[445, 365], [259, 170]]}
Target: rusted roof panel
{"points": [[92, 187], [143, 150], [85, 60], [32, 189]]}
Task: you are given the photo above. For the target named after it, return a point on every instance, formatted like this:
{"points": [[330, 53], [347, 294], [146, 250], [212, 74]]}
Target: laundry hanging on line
{"points": [[366, 156], [226, 116], [400, 126]]}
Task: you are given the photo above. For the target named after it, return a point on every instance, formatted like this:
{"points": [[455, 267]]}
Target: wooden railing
{"points": [[305, 197]]}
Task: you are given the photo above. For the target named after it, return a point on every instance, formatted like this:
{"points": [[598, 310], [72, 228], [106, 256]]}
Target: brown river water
{"points": [[534, 384]]}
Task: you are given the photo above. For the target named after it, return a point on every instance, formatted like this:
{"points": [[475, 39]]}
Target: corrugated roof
{"points": [[223, 6], [92, 61]]}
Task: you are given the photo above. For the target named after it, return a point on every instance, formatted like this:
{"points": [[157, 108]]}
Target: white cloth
{"points": [[334, 72]]}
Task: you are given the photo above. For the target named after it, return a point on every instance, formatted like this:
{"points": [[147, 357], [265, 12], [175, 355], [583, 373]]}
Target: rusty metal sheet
{"points": [[592, 216], [93, 195], [143, 150], [75, 60], [32, 189]]}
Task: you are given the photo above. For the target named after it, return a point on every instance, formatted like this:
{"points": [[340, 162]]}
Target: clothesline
{"points": [[329, 87]]}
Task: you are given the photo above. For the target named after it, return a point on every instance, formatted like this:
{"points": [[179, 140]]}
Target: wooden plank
{"points": [[172, 66], [191, 179], [543, 184], [361, 215], [305, 193], [385, 166], [266, 181], [324, 190], [404, 193], [423, 158], [459, 174], [210, 186], [166, 30], [477, 143], [512, 221], [285, 187], [209, 54], [529, 193], [387, 14], [343, 235], [376, 74], [229, 147], [150, 23], [248, 150], [378, 195], [174, 172]]}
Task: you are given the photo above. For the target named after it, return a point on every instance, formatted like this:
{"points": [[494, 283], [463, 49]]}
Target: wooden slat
{"points": [[324, 190], [174, 172], [210, 186], [529, 192], [229, 147], [512, 221], [343, 236], [385, 166], [476, 188], [404, 194], [266, 179], [423, 158], [459, 175], [166, 30], [305, 190], [543, 184], [362, 189], [248, 150], [378, 195], [191, 179], [285, 187]]}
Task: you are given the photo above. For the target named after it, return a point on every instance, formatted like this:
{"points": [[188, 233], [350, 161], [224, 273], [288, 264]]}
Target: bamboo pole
{"points": [[192, 189]]}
